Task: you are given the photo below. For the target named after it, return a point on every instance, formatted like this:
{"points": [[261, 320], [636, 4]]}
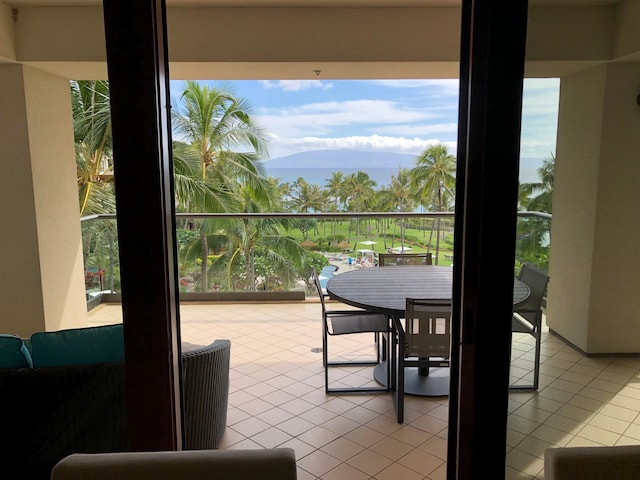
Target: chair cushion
{"points": [[357, 323], [14, 353], [78, 346]]}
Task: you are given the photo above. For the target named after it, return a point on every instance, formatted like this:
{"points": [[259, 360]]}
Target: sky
{"points": [[402, 116]]}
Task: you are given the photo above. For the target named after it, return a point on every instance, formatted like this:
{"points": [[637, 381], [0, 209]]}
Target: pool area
{"points": [[325, 274]]}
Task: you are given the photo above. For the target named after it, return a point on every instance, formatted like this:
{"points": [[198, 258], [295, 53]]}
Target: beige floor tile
{"points": [[369, 462], [342, 448], [391, 448], [277, 398], [345, 472], [396, 471], [421, 462], [318, 463]]}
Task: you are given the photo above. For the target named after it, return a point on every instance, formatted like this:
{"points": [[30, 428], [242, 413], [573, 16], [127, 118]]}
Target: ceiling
{"points": [[298, 3]]}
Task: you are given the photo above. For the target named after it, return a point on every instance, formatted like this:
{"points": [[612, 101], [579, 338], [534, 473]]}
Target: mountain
{"points": [[352, 159], [379, 165]]}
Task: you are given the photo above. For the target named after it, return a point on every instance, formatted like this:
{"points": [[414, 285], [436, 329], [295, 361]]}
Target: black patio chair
{"points": [[345, 322], [527, 318], [400, 259]]}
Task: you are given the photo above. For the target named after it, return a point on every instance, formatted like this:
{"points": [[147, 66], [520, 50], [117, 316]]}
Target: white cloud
{"points": [[328, 117], [450, 129], [447, 85], [296, 85], [371, 143]]}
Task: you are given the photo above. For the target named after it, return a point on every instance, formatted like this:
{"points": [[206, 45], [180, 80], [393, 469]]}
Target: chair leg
{"points": [[536, 367], [537, 334], [398, 355], [328, 364]]}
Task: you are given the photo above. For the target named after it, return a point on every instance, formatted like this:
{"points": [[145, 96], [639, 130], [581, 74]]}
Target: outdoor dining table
{"points": [[386, 289]]}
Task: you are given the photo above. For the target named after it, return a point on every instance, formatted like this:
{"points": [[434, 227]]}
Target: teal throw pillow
{"points": [[78, 346], [14, 353]]}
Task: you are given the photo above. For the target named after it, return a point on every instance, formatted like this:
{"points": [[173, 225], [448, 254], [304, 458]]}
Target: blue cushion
{"points": [[14, 353], [78, 346]]}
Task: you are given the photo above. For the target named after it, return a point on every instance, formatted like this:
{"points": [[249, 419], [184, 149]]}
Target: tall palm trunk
{"points": [[204, 247]]}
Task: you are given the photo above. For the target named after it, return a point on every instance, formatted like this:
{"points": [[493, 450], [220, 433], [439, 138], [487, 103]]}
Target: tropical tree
{"points": [[401, 197], [335, 196], [94, 168], [534, 235], [256, 248], [433, 179], [92, 137], [537, 196], [360, 188], [217, 129], [305, 197]]}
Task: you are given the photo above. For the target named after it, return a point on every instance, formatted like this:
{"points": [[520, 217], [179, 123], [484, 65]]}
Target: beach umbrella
{"points": [[400, 249], [368, 242]]}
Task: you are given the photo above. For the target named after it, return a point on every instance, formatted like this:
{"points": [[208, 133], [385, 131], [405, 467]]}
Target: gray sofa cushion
{"points": [[592, 463], [268, 464]]}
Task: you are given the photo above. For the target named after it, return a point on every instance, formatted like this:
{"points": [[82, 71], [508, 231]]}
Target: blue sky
{"points": [[403, 116]]}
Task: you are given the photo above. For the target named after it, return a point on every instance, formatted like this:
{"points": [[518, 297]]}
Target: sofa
{"points": [[241, 464], [66, 395], [621, 462]]}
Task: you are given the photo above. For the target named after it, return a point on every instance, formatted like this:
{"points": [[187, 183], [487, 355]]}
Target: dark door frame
{"points": [[491, 77]]}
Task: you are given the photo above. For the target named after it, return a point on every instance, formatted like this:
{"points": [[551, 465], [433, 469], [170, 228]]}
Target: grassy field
{"points": [[341, 237]]}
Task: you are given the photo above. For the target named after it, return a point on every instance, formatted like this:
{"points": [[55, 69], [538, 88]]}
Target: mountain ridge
{"points": [[342, 159], [363, 159]]}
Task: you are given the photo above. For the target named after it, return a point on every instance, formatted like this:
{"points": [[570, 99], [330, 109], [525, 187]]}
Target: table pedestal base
{"points": [[436, 384]]}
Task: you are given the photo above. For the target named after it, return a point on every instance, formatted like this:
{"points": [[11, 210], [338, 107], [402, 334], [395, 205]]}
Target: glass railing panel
{"points": [[100, 255], [274, 252]]}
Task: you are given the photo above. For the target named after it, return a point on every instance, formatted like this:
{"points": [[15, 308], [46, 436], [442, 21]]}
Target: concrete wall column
{"points": [[41, 271], [592, 300]]}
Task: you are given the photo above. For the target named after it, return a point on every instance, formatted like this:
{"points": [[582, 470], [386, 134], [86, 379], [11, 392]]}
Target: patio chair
{"points": [[425, 342], [345, 322], [399, 259], [527, 318]]}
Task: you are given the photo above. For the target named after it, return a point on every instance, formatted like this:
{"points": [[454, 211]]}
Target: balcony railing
{"points": [[257, 255]]}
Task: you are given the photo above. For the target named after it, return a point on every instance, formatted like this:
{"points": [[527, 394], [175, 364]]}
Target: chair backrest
{"points": [[427, 328], [321, 294], [537, 281], [399, 259]]}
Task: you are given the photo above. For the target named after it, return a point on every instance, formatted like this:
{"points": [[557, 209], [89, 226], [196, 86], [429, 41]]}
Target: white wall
{"points": [[594, 299], [41, 269]]}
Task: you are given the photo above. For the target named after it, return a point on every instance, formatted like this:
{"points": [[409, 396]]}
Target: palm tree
{"points": [[305, 196], [433, 178], [401, 197], [218, 129], [537, 195], [335, 191], [94, 167], [250, 240], [361, 192], [92, 136], [534, 234]]}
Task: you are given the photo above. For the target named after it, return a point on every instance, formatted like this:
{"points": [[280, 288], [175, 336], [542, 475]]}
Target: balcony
{"points": [[277, 399], [342, 239], [277, 385]]}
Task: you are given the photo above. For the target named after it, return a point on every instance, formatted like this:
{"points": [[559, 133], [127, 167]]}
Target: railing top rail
{"points": [[112, 216]]}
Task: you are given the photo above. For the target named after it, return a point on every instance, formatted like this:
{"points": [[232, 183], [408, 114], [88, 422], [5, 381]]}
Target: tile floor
{"points": [[277, 398]]}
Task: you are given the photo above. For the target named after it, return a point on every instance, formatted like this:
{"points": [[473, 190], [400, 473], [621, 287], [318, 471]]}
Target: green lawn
{"points": [[345, 237]]}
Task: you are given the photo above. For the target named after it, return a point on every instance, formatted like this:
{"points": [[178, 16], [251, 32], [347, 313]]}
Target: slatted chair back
{"points": [[321, 292], [531, 310], [527, 318], [401, 259], [428, 328]]}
